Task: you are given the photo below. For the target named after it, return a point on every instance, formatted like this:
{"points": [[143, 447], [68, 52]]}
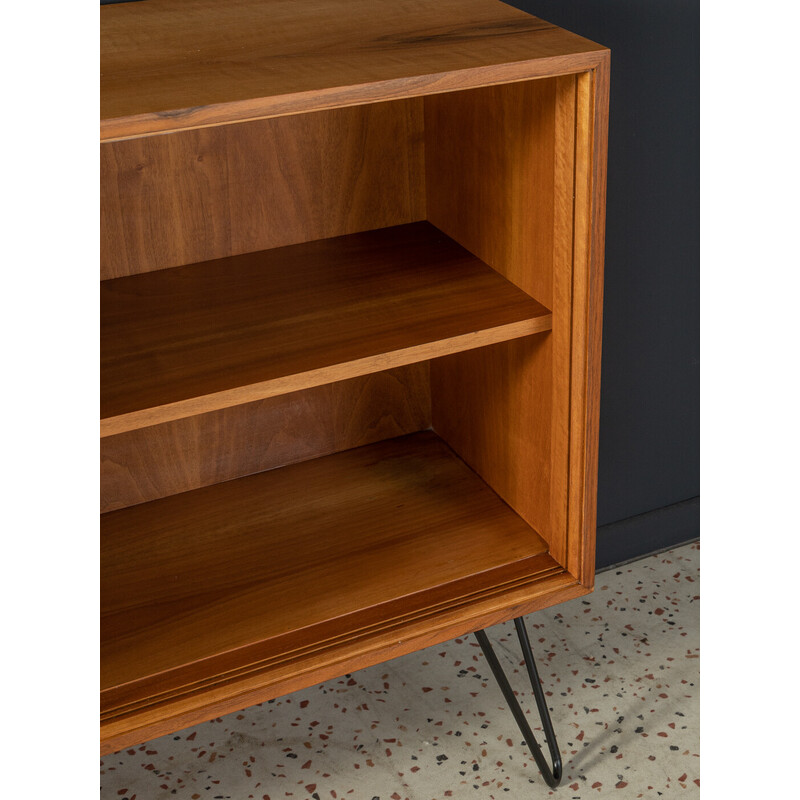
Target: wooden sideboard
{"points": [[351, 262]]}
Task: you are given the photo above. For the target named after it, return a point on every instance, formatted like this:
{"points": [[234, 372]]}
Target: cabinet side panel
{"points": [[489, 170], [591, 150], [563, 235], [505, 193], [174, 457], [203, 194], [490, 407]]}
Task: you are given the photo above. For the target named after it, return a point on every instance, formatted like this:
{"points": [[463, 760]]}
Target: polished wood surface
{"points": [[199, 338], [172, 64], [198, 195], [561, 340], [524, 414], [505, 194], [590, 207], [493, 193], [543, 584], [221, 579], [161, 460], [282, 284]]}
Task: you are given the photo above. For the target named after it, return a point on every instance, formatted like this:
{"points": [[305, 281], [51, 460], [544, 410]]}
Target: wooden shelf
{"points": [[212, 583], [330, 233], [207, 336]]}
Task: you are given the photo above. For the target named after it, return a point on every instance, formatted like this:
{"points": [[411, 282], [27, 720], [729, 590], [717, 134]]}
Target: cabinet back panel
{"points": [[174, 457], [203, 194], [505, 194]]}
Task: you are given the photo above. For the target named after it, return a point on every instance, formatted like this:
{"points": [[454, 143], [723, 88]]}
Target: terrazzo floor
{"points": [[620, 670]]}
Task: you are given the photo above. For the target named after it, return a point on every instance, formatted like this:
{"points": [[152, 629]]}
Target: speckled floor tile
{"points": [[621, 674]]}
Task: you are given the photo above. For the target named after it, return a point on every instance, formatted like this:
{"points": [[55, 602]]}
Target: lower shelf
{"points": [[226, 596]]}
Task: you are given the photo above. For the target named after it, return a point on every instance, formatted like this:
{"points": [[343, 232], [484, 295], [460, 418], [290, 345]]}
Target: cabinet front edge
{"points": [[163, 122]]}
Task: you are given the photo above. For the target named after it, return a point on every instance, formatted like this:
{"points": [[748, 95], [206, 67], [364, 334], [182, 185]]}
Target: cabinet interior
{"points": [[486, 175]]}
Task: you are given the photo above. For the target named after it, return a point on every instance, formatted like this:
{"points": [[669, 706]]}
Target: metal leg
{"points": [[552, 778]]}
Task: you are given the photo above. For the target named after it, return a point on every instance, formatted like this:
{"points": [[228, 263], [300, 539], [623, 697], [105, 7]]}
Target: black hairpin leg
{"points": [[552, 778]]}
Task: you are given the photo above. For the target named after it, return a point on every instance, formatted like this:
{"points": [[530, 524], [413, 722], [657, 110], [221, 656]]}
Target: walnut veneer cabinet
{"points": [[351, 299]]}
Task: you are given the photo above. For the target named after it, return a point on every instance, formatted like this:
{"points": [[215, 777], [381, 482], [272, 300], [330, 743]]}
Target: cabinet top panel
{"points": [[173, 64]]}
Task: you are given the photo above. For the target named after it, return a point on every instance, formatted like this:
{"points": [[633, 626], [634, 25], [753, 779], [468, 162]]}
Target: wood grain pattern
{"points": [[170, 64], [199, 338], [203, 583], [199, 195], [269, 343], [590, 198], [495, 194], [561, 339], [490, 408], [178, 456], [533, 593]]}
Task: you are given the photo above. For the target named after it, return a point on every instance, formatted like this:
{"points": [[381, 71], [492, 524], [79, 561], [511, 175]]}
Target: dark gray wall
{"points": [[649, 481]]}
